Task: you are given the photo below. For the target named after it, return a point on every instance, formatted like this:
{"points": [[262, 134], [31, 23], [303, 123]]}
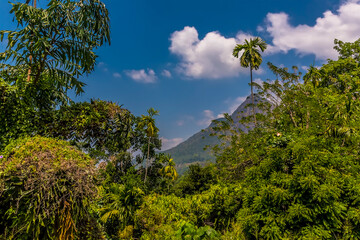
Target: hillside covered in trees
{"points": [[197, 148], [92, 170]]}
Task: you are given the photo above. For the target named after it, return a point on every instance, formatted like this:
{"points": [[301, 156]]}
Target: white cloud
{"points": [[241, 36], [305, 68], [258, 81], [209, 58], [170, 143], [208, 116], [344, 25], [166, 73], [260, 29], [234, 104], [117, 75], [220, 115], [142, 76]]}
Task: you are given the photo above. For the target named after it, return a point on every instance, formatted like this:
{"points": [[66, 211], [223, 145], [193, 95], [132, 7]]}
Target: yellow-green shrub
{"points": [[46, 189]]}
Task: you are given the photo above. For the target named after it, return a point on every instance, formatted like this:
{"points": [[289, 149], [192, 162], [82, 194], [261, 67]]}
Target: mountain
{"points": [[192, 150]]}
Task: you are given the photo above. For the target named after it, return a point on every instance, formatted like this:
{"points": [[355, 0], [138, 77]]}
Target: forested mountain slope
{"points": [[192, 150]]}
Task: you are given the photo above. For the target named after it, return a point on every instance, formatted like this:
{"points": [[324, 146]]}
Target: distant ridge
{"points": [[192, 150]]}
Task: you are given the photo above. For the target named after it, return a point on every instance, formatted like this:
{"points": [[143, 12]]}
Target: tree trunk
{"points": [[30, 58], [147, 160], [252, 96]]}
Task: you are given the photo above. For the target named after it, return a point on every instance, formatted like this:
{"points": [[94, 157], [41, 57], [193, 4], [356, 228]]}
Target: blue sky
{"points": [[175, 56]]}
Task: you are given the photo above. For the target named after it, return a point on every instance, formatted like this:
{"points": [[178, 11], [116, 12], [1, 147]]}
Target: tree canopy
{"points": [[93, 170]]}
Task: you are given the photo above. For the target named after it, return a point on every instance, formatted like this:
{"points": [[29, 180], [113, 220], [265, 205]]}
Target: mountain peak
{"points": [[192, 150]]}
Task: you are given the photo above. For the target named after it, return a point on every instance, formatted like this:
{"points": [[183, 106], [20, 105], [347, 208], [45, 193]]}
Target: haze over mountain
{"points": [[192, 150]]}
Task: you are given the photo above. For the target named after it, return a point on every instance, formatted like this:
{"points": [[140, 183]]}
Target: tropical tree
{"points": [[101, 128], [251, 57], [300, 175], [147, 123], [169, 170], [44, 58], [117, 207], [58, 41]]}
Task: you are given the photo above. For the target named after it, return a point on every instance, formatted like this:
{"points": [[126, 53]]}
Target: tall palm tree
{"points": [[148, 124], [251, 57]]}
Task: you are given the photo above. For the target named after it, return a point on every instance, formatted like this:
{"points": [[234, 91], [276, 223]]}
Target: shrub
{"points": [[162, 216], [46, 187]]}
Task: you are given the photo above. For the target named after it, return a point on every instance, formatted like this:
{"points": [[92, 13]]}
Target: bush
{"points": [[196, 180], [46, 187], [161, 216]]}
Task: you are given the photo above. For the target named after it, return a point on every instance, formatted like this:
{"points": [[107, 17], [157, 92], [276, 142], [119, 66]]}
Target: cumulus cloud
{"points": [[234, 104], [208, 116], [208, 58], [166, 73], [116, 75], [142, 76], [170, 143], [344, 24]]}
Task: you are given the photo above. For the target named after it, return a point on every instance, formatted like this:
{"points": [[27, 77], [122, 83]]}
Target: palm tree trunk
{"points": [[252, 95], [147, 159]]}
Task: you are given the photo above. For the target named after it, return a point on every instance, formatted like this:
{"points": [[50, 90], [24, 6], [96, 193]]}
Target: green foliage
{"points": [[47, 187], [147, 124], [161, 215], [14, 114], [22, 114], [117, 206], [192, 150], [44, 58], [299, 171], [294, 176], [251, 57], [196, 180], [187, 231], [101, 128], [168, 171], [58, 41]]}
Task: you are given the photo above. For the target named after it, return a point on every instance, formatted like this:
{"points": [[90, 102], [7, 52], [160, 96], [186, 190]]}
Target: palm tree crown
{"points": [[251, 57], [148, 124], [169, 170]]}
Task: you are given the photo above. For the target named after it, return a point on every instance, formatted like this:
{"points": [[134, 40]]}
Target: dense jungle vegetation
{"points": [[67, 170]]}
